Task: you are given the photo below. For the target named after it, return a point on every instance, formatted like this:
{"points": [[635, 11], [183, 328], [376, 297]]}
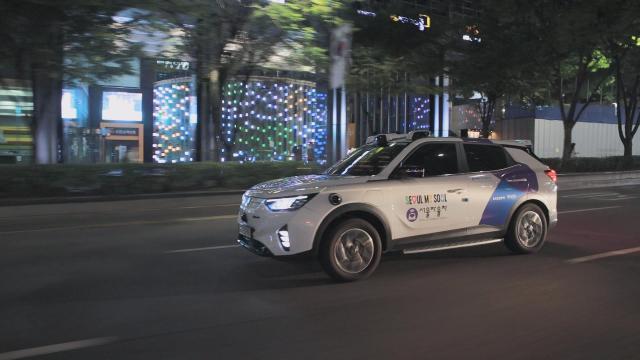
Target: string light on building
{"points": [[267, 121], [420, 113], [173, 121]]}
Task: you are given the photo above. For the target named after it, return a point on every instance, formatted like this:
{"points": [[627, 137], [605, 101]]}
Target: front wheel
{"points": [[527, 231], [351, 251]]}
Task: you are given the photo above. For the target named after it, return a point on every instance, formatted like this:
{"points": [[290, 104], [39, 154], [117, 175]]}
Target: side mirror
{"points": [[409, 171]]}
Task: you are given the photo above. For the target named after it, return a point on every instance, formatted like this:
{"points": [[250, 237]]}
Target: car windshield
{"points": [[367, 160]]}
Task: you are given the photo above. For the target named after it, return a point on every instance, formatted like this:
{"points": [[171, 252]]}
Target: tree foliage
{"points": [[50, 42], [230, 38]]}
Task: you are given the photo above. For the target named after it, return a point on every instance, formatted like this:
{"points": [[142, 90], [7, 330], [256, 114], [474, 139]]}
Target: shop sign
{"points": [[173, 65], [118, 131]]}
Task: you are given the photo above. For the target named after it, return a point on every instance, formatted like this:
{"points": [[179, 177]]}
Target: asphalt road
{"points": [[163, 279]]}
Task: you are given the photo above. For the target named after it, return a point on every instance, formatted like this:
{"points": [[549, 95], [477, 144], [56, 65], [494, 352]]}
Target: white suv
{"points": [[408, 193]]}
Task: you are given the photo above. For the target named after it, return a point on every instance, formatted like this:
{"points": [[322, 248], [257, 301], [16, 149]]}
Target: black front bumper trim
{"points": [[254, 246]]}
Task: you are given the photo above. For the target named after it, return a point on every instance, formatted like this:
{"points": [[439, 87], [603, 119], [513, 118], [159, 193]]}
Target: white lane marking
{"points": [[613, 196], [589, 209], [217, 217], [143, 222], [50, 349], [588, 195], [604, 255], [202, 249]]}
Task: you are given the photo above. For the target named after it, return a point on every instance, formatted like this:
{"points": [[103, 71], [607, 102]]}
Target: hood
{"points": [[300, 185]]}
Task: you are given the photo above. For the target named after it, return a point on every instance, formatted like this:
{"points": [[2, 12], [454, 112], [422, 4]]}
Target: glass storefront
{"points": [[80, 140], [16, 109]]}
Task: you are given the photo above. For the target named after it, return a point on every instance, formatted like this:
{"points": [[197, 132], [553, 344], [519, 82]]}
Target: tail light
{"points": [[552, 175]]}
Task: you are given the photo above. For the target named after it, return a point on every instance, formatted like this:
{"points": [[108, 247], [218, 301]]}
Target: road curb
{"points": [[576, 181], [101, 198]]}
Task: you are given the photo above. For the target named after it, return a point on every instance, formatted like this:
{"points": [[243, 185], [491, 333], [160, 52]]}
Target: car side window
{"points": [[485, 157], [435, 159]]}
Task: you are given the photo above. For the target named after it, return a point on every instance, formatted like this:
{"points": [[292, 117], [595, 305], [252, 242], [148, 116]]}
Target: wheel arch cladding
{"points": [[537, 202], [350, 211]]}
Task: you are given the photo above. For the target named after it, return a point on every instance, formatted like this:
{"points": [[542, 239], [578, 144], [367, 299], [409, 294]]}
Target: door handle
{"points": [[464, 199], [454, 190], [479, 177]]}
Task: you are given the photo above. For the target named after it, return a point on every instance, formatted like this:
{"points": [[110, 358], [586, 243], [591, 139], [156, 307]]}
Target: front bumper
{"points": [[264, 240]]}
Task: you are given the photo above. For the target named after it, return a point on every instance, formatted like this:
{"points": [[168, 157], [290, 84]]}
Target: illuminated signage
{"points": [[422, 22], [68, 105], [173, 65], [472, 33], [121, 106], [366, 13], [118, 131]]}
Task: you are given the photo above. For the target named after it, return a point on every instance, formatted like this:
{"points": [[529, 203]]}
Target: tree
{"points": [[623, 52], [566, 50], [231, 37], [49, 43], [490, 61], [394, 56]]}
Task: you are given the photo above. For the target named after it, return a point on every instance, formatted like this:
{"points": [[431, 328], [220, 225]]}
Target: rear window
{"points": [[525, 157], [485, 157]]}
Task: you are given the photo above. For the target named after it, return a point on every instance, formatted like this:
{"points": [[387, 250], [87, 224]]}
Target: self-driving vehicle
{"points": [[404, 192]]}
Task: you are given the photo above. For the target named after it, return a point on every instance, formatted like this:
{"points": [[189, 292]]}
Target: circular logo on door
{"points": [[412, 215]]}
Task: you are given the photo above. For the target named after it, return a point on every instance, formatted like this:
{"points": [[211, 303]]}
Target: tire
{"points": [[351, 250], [527, 231]]}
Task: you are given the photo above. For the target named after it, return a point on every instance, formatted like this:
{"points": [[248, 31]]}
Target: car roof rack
{"points": [[520, 143], [384, 139]]}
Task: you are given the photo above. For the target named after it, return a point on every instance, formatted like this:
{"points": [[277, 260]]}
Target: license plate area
{"points": [[246, 231]]}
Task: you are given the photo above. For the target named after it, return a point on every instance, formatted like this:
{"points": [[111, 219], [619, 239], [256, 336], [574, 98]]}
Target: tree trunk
{"points": [[567, 147], [46, 81], [217, 80], [210, 117], [627, 160], [46, 123], [486, 115]]}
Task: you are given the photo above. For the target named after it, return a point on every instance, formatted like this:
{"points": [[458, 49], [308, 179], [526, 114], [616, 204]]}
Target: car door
{"points": [[427, 195], [495, 184]]}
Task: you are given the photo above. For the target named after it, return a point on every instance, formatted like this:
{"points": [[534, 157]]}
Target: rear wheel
{"points": [[527, 231], [351, 251]]}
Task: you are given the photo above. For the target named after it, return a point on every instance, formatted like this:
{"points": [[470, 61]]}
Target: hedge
{"points": [[586, 164], [18, 181], [121, 179]]}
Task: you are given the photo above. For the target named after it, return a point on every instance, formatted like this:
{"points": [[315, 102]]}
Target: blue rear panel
{"points": [[508, 193]]}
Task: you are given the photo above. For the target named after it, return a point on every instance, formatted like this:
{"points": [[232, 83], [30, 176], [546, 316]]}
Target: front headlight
{"points": [[287, 203]]}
